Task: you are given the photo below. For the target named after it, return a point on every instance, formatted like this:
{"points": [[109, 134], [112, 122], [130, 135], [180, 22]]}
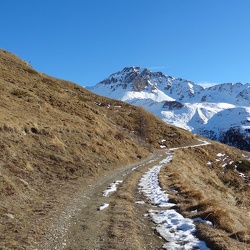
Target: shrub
{"points": [[243, 166], [230, 166]]}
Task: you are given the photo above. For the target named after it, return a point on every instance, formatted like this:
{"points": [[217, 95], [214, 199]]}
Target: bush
{"points": [[230, 166], [243, 166]]}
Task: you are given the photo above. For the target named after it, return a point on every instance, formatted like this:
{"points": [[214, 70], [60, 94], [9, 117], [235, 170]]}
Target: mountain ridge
{"points": [[210, 112]]}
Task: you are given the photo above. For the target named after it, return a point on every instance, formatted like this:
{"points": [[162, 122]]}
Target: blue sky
{"points": [[85, 41]]}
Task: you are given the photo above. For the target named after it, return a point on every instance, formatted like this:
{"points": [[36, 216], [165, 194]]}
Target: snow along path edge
{"points": [[172, 226]]}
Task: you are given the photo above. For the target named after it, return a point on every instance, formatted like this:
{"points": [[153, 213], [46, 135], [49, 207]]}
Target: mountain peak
{"points": [[145, 82], [202, 110], [132, 68]]}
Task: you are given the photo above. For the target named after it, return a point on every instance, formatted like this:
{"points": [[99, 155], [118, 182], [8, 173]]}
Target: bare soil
{"points": [[122, 225]]}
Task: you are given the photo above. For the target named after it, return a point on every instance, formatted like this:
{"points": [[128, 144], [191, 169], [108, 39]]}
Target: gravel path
{"points": [[83, 225]]}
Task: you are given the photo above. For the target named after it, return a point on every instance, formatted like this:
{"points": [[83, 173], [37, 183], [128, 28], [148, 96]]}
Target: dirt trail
{"points": [[122, 225]]}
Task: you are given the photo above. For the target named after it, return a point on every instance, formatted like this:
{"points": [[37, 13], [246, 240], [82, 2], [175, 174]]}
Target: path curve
{"points": [[113, 221]]}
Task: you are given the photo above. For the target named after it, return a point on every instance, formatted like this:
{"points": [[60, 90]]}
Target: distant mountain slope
{"points": [[221, 112]]}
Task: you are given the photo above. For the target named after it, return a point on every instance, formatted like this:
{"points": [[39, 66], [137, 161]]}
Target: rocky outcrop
{"points": [[170, 105]]}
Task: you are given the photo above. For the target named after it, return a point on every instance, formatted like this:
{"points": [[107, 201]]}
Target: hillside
{"points": [[56, 139], [212, 183], [61, 147], [220, 112]]}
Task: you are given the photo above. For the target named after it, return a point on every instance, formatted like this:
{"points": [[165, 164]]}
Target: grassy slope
{"points": [[215, 190], [56, 137]]}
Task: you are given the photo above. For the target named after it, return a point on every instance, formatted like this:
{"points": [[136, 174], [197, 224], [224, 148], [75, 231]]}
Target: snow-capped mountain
{"points": [[221, 112]]}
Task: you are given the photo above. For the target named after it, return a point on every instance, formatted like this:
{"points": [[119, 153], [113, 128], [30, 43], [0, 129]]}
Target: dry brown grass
{"points": [[54, 137], [216, 193], [129, 229]]}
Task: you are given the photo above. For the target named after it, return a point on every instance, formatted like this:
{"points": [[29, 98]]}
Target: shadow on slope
{"points": [[229, 132]]}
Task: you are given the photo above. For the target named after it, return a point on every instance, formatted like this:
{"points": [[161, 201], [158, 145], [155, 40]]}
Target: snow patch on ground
{"points": [[172, 226], [140, 202], [204, 221], [151, 188], [103, 206], [112, 187], [227, 161], [177, 230], [203, 143]]}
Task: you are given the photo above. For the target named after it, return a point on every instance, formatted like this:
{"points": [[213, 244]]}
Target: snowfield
{"points": [[210, 112]]}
